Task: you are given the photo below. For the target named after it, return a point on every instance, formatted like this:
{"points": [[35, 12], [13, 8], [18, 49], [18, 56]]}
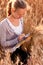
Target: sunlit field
{"points": [[33, 24]]}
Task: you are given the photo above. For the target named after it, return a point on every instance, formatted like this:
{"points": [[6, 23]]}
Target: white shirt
{"points": [[17, 29]]}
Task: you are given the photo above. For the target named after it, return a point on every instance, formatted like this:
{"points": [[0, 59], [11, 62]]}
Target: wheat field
{"points": [[33, 23]]}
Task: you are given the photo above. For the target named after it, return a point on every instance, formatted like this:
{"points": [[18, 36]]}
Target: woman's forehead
{"points": [[21, 9]]}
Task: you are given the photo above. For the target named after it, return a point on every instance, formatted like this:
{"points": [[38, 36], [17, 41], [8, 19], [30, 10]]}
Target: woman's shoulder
{"points": [[3, 23]]}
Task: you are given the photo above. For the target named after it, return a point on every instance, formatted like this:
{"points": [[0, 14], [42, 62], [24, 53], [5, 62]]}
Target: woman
{"points": [[11, 28]]}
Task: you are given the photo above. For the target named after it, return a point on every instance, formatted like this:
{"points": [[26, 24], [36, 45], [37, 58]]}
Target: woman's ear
{"points": [[13, 9]]}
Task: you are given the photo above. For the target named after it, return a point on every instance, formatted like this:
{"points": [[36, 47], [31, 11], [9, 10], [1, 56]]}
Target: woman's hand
{"points": [[20, 38]]}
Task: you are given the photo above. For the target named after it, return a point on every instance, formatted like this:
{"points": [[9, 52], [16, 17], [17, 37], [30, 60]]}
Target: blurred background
{"points": [[33, 23]]}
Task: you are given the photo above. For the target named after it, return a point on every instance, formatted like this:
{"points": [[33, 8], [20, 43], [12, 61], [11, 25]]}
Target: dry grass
{"points": [[32, 22]]}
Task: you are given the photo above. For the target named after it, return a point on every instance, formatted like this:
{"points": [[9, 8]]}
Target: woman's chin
{"points": [[18, 17]]}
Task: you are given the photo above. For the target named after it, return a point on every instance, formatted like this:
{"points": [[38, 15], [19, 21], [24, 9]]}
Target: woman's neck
{"points": [[13, 20], [12, 17]]}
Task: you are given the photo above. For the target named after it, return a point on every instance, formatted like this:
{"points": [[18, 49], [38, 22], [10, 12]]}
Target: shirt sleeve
{"points": [[5, 43]]}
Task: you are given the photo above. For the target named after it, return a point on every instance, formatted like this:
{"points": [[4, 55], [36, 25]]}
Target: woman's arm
{"points": [[5, 43]]}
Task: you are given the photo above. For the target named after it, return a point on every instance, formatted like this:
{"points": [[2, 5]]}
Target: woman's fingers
{"points": [[21, 36]]}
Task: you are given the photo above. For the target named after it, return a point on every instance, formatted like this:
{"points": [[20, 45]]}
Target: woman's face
{"points": [[18, 13]]}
